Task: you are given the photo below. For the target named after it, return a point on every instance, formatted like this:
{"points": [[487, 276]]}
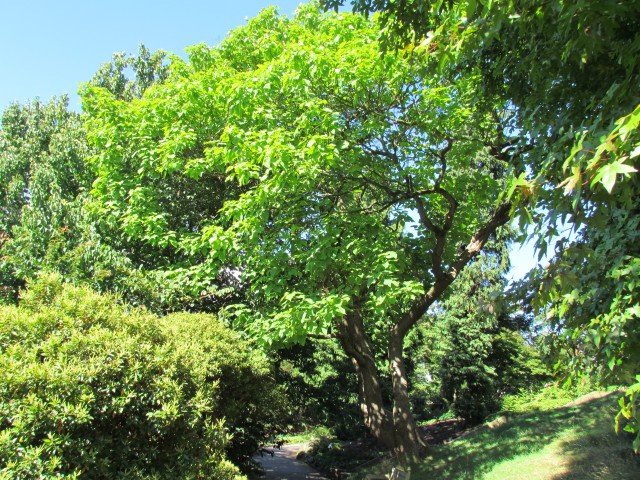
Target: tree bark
{"points": [[408, 443], [356, 345]]}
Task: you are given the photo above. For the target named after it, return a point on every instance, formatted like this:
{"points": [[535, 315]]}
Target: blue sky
{"points": [[523, 258], [47, 48]]}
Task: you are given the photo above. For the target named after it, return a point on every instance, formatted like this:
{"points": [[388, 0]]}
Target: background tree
{"points": [[486, 355], [46, 218], [316, 150], [42, 173], [471, 350], [148, 69], [320, 382]]}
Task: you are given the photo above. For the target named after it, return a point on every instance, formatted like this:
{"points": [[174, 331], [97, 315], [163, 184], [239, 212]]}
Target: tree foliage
{"points": [[46, 217], [471, 350], [320, 382], [42, 173], [343, 189], [148, 68]]}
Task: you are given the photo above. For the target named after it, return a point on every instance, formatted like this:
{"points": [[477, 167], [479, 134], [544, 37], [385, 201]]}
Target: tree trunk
{"points": [[395, 428], [408, 442], [356, 345]]}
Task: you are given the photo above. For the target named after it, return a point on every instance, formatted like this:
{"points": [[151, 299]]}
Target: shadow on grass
{"points": [[567, 443], [598, 453]]}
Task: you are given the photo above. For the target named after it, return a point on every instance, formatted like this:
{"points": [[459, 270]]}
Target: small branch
{"points": [[453, 207], [442, 155]]}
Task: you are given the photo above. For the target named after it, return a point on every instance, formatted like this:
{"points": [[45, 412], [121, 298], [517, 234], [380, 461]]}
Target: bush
{"points": [[93, 389], [328, 455]]}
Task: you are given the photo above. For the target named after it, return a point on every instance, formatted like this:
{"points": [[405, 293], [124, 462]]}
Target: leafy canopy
{"points": [[296, 157]]}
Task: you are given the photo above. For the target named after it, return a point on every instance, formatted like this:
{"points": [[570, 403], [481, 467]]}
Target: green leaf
{"points": [[608, 174]]}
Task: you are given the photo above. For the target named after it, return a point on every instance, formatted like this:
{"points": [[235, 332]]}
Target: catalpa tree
{"points": [[347, 189]]}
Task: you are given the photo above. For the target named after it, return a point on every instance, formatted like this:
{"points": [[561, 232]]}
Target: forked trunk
{"points": [[395, 428]]}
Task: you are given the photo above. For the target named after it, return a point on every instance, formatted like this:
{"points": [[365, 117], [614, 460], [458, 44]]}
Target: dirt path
{"points": [[284, 466]]}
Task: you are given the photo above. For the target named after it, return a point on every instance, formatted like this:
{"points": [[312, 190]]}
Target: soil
{"points": [[445, 431]]}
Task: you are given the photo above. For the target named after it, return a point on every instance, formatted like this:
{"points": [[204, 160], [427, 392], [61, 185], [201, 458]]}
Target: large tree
{"points": [[571, 71], [344, 190], [42, 172], [46, 222]]}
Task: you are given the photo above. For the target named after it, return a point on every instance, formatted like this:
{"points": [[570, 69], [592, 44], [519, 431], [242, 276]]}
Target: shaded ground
{"points": [[284, 466], [334, 458], [573, 442], [437, 433]]}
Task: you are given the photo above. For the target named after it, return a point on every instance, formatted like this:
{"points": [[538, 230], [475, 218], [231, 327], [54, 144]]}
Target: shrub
{"points": [[93, 389]]}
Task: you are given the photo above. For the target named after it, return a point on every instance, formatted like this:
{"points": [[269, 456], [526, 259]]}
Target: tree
{"points": [[571, 72], [319, 380], [468, 379], [347, 190], [471, 350], [46, 220], [148, 69], [485, 354], [42, 172]]}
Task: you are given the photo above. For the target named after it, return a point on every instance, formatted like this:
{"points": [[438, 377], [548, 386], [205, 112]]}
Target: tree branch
{"points": [[500, 217]]}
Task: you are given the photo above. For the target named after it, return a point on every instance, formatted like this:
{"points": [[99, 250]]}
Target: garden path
{"points": [[284, 466]]}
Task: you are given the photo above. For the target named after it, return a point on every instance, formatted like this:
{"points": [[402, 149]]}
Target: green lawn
{"points": [[576, 441]]}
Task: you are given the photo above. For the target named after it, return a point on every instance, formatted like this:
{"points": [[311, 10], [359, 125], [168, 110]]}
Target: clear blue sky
{"points": [[48, 47], [523, 259]]}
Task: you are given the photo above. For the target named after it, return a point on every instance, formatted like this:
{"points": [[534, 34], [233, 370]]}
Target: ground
{"points": [[284, 466], [567, 441]]}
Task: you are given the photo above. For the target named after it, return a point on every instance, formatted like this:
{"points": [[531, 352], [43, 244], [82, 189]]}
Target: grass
{"points": [[310, 435], [570, 442], [543, 399]]}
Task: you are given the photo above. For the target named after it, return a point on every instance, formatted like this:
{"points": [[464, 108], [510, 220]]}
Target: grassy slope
{"points": [[575, 441]]}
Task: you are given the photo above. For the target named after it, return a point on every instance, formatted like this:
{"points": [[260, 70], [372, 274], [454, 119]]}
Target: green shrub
{"points": [[92, 389], [328, 454]]}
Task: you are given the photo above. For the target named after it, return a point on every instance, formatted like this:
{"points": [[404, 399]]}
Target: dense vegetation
{"points": [[318, 178], [92, 387]]}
